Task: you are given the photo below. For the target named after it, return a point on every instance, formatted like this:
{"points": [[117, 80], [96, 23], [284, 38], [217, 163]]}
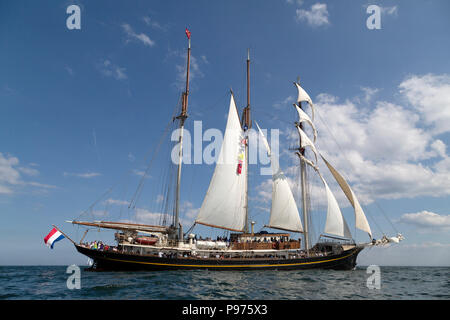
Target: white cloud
{"points": [[28, 171], [159, 198], [99, 213], [194, 71], [369, 93], [147, 217], [204, 59], [384, 150], [131, 35], [415, 254], [427, 219], [108, 69], [131, 157], [10, 176], [427, 245], [86, 175], [264, 191], [439, 147], [141, 173], [391, 11], [317, 16], [7, 91], [69, 70], [287, 102], [116, 202], [188, 210], [152, 23], [430, 96], [298, 2]]}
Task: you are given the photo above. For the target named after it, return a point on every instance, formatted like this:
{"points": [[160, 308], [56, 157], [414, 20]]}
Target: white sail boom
{"points": [[306, 142], [224, 203], [284, 212], [335, 223], [303, 117], [360, 218], [303, 96]]}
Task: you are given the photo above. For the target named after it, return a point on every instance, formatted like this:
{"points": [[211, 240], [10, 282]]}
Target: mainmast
{"points": [[303, 184], [247, 124], [183, 116]]}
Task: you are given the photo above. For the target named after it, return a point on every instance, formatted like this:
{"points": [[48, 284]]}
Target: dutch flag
{"points": [[52, 237]]}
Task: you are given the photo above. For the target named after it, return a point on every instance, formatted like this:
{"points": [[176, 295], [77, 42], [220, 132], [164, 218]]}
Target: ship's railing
{"points": [[228, 253]]}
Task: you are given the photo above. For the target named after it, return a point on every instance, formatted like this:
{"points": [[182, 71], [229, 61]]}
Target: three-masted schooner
{"points": [[225, 206]]}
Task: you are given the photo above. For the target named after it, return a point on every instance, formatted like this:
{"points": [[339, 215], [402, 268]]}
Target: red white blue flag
{"points": [[52, 237]]}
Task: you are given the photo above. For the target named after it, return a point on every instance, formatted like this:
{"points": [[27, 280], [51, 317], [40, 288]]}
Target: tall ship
{"points": [[226, 206]]}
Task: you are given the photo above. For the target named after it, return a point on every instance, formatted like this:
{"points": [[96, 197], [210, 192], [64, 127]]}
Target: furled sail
{"points": [[303, 96], [360, 218], [306, 142], [284, 212], [335, 223], [224, 203], [303, 117]]}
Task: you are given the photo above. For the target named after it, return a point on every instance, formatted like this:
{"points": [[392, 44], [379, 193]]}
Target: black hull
{"points": [[116, 261]]}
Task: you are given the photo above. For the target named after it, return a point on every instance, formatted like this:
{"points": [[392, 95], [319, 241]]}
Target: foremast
{"points": [[182, 117], [303, 187]]}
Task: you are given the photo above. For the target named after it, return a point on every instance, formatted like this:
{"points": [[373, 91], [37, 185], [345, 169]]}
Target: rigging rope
{"points": [[139, 188]]}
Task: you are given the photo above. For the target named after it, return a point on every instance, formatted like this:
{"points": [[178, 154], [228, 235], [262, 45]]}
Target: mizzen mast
{"points": [[182, 117]]}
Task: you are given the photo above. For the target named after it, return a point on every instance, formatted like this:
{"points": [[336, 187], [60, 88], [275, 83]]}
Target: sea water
{"points": [[395, 283]]}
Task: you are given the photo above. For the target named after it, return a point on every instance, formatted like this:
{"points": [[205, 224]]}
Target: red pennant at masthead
{"points": [[188, 33]]}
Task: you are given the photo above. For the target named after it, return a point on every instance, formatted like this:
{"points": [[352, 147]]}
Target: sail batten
{"points": [[224, 203]]}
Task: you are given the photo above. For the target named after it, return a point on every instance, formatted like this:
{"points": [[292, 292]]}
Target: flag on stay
{"points": [[188, 33], [52, 237]]}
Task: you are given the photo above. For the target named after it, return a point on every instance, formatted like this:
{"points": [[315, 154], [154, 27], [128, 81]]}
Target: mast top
{"points": [[188, 34]]}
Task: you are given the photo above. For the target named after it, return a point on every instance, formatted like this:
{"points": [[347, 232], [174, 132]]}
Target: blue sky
{"points": [[80, 110]]}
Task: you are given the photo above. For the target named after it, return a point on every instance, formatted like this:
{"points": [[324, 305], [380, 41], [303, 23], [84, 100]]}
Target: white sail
{"points": [[303, 96], [224, 203], [360, 218], [335, 223], [303, 117], [305, 142], [284, 212]]}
